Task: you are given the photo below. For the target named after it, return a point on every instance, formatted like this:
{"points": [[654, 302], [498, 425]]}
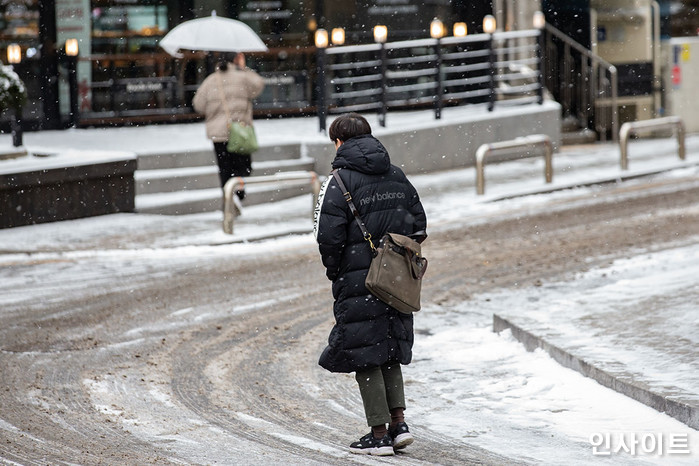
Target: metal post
{"points": [[615, 106], [384, 85], [657, 79], [540, 55], [16, 127], [491, 63], [320, 80], [113, 87], [72, 65], [440, 87]]}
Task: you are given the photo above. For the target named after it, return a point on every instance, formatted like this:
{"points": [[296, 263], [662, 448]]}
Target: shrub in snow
{"points": [[12, 90]]}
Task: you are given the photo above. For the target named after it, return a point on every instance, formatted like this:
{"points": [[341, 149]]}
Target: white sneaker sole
{"points": [[381, 451], [402, 441]]}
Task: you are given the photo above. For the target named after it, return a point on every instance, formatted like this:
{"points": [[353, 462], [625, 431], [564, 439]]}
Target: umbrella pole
{"points": [[210, 63]]}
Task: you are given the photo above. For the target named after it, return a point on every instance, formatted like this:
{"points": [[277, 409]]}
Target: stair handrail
{"points": [[596, 60], [237, 183]]}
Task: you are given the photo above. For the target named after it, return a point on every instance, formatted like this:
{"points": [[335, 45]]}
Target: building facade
{"points": [[122, 74], [124, 77]]}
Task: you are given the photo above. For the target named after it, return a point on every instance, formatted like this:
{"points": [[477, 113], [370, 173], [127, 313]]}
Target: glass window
{"points": [[128, 27], [19, 20]]}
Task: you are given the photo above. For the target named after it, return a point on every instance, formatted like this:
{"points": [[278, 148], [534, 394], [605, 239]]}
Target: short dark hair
{"points": [[348, 126], [225, 58]]}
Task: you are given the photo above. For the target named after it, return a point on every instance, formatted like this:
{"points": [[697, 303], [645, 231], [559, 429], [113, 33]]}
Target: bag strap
{"points": [[348, 197]]}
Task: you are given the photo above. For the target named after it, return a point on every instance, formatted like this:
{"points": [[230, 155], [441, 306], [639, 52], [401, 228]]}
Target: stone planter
{"points": [[65, 186]]}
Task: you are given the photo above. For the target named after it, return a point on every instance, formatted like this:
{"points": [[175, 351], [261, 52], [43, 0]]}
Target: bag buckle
{"points": [[367, 236]]}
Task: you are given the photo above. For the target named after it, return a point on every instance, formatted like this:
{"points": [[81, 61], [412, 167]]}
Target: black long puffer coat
{"points": [[367, 333]]}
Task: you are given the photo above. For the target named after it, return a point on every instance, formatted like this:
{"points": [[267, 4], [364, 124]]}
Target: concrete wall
{"points": [[452, 142]]}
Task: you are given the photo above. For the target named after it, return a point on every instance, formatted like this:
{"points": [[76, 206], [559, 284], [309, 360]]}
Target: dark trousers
{"points": [[231, 164], [382, 390]]}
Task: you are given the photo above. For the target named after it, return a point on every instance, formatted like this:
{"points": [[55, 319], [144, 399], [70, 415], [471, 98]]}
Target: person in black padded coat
{"points": [[369, 337]]}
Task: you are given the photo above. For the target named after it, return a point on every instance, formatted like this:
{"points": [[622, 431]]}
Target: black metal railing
{"points": [[584, 84], [423, 73], [433, 72]]}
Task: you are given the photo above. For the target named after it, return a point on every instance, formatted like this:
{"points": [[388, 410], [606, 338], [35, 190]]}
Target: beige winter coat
{"points": [[240, 86]]}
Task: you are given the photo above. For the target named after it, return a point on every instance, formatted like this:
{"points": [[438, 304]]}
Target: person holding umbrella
{"points": [[223, 97]]}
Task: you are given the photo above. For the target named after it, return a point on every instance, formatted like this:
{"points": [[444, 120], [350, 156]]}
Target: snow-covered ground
{"points": [[468, 382], [483, 386]]}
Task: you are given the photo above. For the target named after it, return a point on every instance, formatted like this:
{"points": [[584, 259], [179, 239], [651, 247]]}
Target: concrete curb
{"points": [[598, 181], [683, 412], [232, 240]]}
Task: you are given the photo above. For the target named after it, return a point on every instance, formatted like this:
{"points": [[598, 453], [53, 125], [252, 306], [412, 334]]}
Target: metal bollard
{"points": [[536, 140], [627, 129]]}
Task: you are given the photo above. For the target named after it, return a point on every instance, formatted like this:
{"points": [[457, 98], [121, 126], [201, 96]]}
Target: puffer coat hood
{"points": [[367, 332], [364, 154]]}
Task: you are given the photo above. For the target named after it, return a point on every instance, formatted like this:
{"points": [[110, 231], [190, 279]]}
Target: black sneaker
{"points": [[401, 435], [368, 445]]}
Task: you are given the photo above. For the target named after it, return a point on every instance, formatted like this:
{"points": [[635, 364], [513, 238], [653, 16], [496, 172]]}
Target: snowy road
{"points": [[207, 354]]}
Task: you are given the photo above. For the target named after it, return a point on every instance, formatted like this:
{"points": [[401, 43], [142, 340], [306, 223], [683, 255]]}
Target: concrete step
{"points": [[274, 192], [169, 180], [188, 182], [176, 160], [207, 200], [165, 160], [206, 176], [582, 136], [270, 167]]}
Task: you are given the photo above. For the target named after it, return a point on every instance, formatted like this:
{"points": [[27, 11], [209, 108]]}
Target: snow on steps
{"points": [[187, 182]]}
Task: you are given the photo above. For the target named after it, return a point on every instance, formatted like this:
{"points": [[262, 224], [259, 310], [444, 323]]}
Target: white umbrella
{"points": [[212, 34]]}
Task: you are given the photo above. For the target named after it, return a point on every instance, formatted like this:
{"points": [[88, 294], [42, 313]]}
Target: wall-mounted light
{"points": [[338, 36], [539, 20], [14, 54], [489, 24], [460, 30], [72, 48], [436, 29], [380, 33], [321, 38], [312, 24]]}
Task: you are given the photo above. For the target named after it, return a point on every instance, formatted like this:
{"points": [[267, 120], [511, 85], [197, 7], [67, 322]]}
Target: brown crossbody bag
{"points": [[396, 270]]}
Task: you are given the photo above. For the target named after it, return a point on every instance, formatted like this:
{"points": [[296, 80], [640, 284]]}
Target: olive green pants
{"points": [[382, 390]]}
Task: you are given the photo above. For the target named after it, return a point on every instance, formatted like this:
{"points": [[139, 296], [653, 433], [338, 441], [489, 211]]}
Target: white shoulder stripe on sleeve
{"points": [[319, 205]]}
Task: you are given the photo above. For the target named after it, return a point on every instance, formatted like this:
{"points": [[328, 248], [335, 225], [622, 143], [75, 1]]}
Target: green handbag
{"points": [[241, 138]]}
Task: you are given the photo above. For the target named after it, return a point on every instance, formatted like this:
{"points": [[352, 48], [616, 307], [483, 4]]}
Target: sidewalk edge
{"points": [[679, 410]]}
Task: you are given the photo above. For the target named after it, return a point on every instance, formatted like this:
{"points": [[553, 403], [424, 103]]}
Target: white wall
{"points": [[681, 55]]}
